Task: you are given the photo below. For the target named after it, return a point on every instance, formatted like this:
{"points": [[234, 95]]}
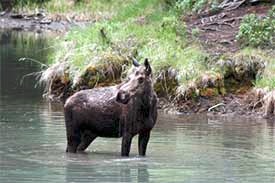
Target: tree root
{"points": [[229, 5], [269, 104]]}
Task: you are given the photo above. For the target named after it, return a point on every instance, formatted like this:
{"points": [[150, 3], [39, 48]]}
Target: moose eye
{"points": [[140, 80]]}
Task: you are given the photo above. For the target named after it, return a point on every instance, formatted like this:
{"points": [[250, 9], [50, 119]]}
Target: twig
{"points": [[211, 29], [165, 84], [258, 102], [33, 60], [226, 5], [215, 106], [218, 23], [30, 74]]}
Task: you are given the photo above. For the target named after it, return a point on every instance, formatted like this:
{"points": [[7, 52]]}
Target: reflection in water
{"points": [[182, 149], [130, 171], [15, 45]]}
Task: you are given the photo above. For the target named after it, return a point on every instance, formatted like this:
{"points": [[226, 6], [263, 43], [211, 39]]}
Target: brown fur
{"points": [[123, 110]]}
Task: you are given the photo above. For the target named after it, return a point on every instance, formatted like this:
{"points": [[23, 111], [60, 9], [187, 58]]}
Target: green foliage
{"points": [[264, 59], [26, 2], [257, 32], [195, 33], [190, 5], [143, 29]]}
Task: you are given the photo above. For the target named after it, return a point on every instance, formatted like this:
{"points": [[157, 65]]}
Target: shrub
{"points": [[257, 32], [190, 5]]}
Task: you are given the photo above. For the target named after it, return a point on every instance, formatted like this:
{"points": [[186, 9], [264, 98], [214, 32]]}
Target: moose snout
{"points": [[123, 97]]}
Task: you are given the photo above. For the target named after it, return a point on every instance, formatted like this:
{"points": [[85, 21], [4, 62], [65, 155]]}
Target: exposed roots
{"points": [[166, 82], [241, 70], [269, 104], [207, 85], [260, 100], [107, 72], [56, 80]]}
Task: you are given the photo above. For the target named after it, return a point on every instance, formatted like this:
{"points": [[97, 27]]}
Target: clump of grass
{"points": [[83, 10], [258, 64], [145, 29], [191, 5], [266, 78]]}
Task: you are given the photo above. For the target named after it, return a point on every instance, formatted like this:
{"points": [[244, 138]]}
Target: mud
{"points": [[217, 32], [230, 104]]}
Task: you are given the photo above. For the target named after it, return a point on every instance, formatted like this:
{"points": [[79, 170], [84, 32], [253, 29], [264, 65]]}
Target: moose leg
{"points": [[73, 139], [126, 144], [143, 139], [87, 138]]}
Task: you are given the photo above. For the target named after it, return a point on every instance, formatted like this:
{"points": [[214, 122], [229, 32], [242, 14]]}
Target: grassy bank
{"points": [[100, 55], [143, 29]]}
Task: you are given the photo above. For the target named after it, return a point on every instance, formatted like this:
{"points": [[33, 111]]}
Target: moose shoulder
{"points": [[124, 110]]}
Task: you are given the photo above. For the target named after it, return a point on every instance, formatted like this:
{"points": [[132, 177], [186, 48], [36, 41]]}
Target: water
{"points": [[182, 149]]}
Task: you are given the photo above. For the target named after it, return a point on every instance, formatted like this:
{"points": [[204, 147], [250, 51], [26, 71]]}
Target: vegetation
{"points": [[256, 31], [101, 54], [145, 29], [259, 33]]}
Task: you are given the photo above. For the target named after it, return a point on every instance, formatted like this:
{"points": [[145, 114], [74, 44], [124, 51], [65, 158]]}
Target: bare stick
{"points": [[215, 106]]}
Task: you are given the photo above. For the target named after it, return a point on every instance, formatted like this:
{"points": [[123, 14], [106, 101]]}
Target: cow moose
{"points": [[123, 110]]}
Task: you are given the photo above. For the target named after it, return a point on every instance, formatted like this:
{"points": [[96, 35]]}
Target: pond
{"points": [[191, 149]]}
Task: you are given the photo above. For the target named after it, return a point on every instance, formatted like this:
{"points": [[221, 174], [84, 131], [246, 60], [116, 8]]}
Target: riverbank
{"points": [[38, 22], [201, 63]]}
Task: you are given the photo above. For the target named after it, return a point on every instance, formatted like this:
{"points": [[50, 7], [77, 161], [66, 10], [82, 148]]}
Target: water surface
{"points": [[182, 149]]}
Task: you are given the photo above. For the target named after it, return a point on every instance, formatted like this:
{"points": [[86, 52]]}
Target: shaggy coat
{"points": [[124, 110]]}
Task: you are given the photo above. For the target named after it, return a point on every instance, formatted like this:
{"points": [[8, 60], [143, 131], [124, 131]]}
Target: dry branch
{"points": [[229, 5]]}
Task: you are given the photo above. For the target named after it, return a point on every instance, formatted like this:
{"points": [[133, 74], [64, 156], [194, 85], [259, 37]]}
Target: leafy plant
{"points": [[190, 5], [257, 32]]}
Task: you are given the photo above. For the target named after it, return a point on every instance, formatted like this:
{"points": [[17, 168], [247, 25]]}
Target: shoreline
{"points": [[211, 94], [37, 23]]}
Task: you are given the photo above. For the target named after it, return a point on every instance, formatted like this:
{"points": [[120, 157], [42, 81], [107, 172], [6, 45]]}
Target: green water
{"points": [[195, 149]]}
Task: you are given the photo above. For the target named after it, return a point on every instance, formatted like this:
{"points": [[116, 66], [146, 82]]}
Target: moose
{"points": [[123, 110]]}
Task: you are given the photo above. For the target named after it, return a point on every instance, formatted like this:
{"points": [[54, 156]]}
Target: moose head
{"points": [[138, 83]]}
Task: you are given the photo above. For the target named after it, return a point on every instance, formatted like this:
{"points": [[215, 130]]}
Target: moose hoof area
{"points": [[125, 155], [71, 150]]}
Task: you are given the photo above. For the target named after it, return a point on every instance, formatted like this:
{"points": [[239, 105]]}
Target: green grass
{"points": [[144, 29], [266, 78], [147, 29], [87, 9], [257, 31]]}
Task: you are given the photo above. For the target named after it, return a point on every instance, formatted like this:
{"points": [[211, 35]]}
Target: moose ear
{"points": [[123, 97], [147, 66], [135, 62]]}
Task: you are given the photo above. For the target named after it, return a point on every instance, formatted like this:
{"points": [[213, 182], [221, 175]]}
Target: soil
{"points": [[237, 104], [217, 32]]}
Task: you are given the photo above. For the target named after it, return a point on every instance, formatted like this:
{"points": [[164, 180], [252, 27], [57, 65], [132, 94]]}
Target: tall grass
{"points": [[264, 79], [144, 29]]}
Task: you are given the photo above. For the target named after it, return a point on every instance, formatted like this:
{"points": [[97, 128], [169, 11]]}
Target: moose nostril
{"points": [[140, 80]]}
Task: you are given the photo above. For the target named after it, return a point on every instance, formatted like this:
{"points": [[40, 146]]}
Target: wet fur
{"points": [[97, 113]]}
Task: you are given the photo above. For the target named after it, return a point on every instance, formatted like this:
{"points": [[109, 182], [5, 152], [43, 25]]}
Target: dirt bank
{"points": [[217, 32], [227, 91]]}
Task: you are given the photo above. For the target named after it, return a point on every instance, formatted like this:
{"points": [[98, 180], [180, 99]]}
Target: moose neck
{"points": [[142, 101]]}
